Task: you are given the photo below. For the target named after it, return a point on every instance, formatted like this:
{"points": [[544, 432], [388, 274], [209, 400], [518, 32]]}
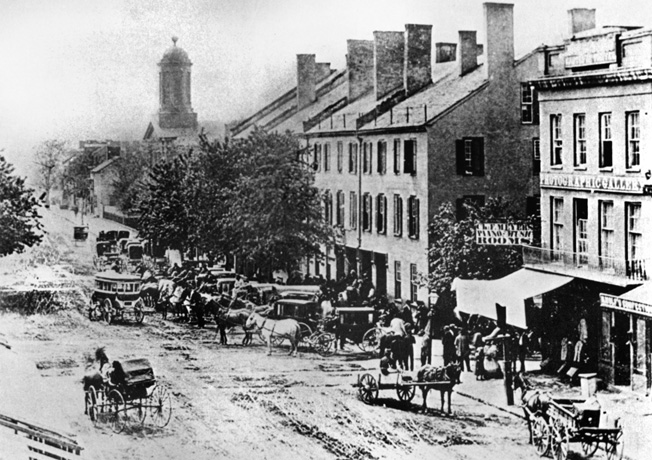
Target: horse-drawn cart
{"points": [[129, 396], [116, 296]]}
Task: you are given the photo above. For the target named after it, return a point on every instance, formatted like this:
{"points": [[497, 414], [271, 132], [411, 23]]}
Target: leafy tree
{"points": [[77, 174], [454, 253], [131, 169], [19, 219], [165, 210], [49, 156]]}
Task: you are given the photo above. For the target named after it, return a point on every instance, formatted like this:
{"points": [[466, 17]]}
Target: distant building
{"points": [[176, 122]]}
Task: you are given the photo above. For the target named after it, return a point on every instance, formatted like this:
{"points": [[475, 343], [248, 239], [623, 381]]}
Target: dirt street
{"points": [[234, 401]]}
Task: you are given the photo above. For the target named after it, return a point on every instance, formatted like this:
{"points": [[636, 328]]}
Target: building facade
{"points": [[595, 104]]}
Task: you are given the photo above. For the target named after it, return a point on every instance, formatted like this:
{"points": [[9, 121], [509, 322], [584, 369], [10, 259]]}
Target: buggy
{"points": [[129, 394], [116, 296]]}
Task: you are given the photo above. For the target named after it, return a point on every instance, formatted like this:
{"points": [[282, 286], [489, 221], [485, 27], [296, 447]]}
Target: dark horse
{"points": [[448, 376], [227, 313], [93, 378]]}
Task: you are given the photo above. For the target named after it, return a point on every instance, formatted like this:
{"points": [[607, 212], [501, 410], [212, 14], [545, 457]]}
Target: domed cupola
{"points": [[174, 89]]}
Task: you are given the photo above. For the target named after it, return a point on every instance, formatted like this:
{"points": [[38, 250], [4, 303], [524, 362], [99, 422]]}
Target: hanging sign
{"points": [[503, 234]]}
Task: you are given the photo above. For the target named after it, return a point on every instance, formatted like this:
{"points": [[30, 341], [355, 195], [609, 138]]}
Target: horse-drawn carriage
{"points": [[129, 395], [358, 325], [116, 296]]}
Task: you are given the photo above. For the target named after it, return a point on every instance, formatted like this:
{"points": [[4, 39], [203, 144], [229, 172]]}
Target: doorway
{"points": [[622, 354]]}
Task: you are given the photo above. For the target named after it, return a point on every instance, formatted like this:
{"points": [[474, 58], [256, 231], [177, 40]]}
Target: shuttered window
{"points": [[470, 156]]}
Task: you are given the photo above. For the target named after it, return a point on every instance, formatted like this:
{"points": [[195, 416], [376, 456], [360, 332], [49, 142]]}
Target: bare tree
{"points": [[49, 155]]}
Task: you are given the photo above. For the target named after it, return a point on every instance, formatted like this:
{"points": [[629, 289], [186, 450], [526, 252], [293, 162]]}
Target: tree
{"points": [[454, 253], [77, 176], [19, 219], [131, 169], [49, 156]]}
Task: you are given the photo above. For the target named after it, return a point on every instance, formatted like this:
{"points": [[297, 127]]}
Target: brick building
{"points": [[395, 135]]}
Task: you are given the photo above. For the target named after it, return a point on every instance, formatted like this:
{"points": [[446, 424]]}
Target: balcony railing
{"points": [[574, 263]]}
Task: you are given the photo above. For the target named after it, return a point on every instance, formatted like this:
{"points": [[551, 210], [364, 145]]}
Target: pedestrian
{"points": [[410, 341], [448, 345], [462, 350], [523, 343], [478, 344]]}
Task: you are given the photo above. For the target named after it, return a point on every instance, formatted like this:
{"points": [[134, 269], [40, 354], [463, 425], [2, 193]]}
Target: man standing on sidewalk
{"points": [[448, 345], [462, 349]]}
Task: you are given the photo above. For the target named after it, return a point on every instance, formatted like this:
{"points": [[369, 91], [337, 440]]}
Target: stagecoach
{"points": [[116, 297]]}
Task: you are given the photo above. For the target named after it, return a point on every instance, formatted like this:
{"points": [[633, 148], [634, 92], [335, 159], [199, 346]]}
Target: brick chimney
{"points": [[306, 80], [499, 45], [467, 51], [323, 70], [445, 52], [418, 50], [389, 51], [580, 19], [360, 67]]}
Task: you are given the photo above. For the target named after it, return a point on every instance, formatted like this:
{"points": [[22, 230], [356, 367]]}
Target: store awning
{"points": [[637, 301], [481, 296]]}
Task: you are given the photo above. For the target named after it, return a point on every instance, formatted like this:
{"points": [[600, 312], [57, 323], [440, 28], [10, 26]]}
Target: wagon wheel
{"points": [[116, 411], [107, 311], [614, 446], [540, 435], [90, 401], [405, 392], [370, 340], [139, 314], [137, 411], [159, 406], [98, 408], [306, 332], [589, 445], [559, 442], [325, 344], [368, 389]]}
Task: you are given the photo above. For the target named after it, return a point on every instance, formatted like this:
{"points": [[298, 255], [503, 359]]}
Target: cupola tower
{"points": [[174, 90]]}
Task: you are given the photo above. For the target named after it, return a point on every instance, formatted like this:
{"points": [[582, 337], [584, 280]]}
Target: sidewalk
{"points": [[633, 409]]}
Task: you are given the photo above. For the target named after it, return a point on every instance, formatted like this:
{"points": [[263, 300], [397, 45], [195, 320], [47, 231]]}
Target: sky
{"points": [[87, 69]]}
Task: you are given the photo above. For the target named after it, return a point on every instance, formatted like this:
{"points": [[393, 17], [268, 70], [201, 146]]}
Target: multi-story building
{"points": [[595, 100], [395, 135]]}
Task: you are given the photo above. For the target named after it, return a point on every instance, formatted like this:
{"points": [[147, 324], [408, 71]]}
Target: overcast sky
{"points": [[87, 69]]}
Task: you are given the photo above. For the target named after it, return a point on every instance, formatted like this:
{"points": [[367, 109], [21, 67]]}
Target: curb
{"points": [[483, 401]]}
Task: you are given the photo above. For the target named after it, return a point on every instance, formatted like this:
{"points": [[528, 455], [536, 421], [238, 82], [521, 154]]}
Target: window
{"points": [[340, 156], [413, 217], [340, 208], [414, 282], [398, 215], [557, 222], [633, 140], [328, 207], [556, 145], [366, 212], [581, 231], [381, 214], [397, 156], [536, 156], [381, 160], [410, 157], [529, 112], [606, 159], [327, 157], [367, 152], [397, 279], [606, 222], [353, 158], [470, 156], [580, 139], [353, 210], [635, 266], [317, 158]]}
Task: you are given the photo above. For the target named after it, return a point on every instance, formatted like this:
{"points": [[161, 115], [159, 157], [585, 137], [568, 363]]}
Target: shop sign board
{"points": [[503, 234], [588, 182], [625, 305], [591, 51]]}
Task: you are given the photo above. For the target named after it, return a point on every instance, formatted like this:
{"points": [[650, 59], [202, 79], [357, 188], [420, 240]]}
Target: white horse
{"points": [[284, 328]]}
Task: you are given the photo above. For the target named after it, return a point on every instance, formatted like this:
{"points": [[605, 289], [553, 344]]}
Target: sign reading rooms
{"points": [[587, 182]]}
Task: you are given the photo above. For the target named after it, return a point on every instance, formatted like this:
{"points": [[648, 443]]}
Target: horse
{"points": [[286, 328], [449, 373], [533, 401], [226, 317], [94, 378]]}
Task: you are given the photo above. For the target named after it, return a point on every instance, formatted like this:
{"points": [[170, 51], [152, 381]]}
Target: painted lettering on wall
{"points": [[587, 182], [502, 234], [629, 306]]}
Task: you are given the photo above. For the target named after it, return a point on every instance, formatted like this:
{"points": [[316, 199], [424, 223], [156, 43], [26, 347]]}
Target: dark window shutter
{"points": [[416, 218], [478, 156], [535, 106], [459, 156], [413, 171]]}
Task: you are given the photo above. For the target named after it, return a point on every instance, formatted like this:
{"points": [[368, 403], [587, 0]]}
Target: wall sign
{"points": [[591, 51], [588, 182], [503, 234], [628, 306]]}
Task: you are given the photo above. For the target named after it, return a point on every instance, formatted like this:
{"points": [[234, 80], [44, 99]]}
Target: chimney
{"points": [[445, 52], [389, 50], [418, 50], [580, 19], [306, 80], [360, 67], [499, 45], [323, 70], [468, 51]]}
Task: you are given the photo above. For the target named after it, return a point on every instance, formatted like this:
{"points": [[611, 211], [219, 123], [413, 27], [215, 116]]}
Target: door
{"points": [[622, 355], [380, 261]]}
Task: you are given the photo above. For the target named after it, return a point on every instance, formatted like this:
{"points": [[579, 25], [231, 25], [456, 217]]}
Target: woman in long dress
{"points": [[492, 369]]}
